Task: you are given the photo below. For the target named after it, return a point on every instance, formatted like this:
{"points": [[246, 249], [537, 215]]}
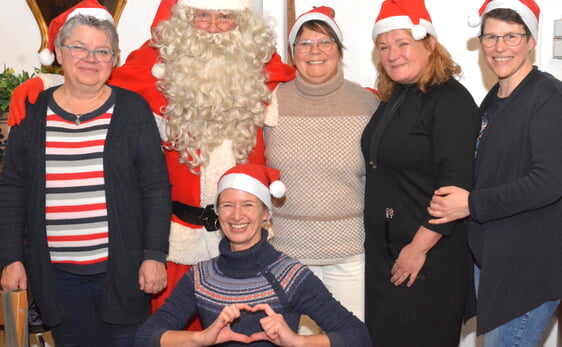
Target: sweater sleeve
{"points": [[153, 181], [173, 315], [540, 185], [341, 326], [453, 135]]}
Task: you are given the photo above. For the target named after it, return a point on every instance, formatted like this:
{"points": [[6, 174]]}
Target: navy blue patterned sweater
{"points": [[257, 275]]}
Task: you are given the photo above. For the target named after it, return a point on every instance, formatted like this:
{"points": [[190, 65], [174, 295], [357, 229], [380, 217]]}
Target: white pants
{"points": [[346, 282]]}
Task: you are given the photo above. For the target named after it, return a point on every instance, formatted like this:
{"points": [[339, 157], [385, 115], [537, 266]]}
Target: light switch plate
{"points": [[558, 28]]}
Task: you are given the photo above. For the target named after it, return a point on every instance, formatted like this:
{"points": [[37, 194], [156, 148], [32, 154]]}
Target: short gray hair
{"points": [[91, 21]]}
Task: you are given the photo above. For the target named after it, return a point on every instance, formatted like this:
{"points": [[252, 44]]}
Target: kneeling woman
{"points": [[251, 292]]}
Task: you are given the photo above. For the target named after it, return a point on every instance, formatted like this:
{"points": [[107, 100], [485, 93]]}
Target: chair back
{"points": [[13, 316]]}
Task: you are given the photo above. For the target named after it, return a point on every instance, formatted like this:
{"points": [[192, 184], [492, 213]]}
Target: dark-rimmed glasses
{"points": [[305, 46], [79, 52], [511, 39]]}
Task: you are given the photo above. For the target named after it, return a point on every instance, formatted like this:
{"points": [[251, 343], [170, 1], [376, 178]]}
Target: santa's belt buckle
{"points": [[209, 218]]}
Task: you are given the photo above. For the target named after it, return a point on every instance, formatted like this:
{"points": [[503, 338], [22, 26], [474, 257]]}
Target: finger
{"points": [[442, 220], [264, 307], [259, 337], [399, 278], [413, 278], [443, 190]]}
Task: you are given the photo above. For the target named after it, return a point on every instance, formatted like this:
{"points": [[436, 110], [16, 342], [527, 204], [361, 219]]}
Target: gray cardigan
{"points": [[138, 204], [515, 229]]}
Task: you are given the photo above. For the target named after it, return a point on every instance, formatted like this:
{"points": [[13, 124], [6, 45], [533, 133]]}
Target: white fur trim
{"points": [[272, 110], [229, 5], [158, 70], [418, 32], [247, 184], [277, 189], [525, 12], [400, 22], [189, 246], [99, 13], [51, 79], [474, 19], [161, 124], [221, 159], [46, 57], [313, 16]]}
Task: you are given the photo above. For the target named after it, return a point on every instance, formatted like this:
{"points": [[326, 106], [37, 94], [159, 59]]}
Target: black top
{"points": [[428, 143]]}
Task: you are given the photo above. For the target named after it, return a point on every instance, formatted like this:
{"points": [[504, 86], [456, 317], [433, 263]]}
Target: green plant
{"points": [[9, 80]]}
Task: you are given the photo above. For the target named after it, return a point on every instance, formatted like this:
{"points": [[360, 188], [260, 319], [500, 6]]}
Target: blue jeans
{"points": [[523, 331], [81, 297]]}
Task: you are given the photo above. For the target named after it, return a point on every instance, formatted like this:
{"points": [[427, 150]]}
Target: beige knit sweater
{"points": [[313, 135]]}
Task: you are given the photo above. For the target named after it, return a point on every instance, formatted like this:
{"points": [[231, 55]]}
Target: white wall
{"points": [[20, 40]]}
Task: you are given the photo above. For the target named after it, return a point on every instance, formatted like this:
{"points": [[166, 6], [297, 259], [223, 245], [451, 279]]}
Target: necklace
{"points": [[87, 109]]}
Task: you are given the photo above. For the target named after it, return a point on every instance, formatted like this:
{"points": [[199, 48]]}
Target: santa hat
{"points": [[527, 9], [322, 13], [259, 180], [404, 14], [228, 5], [86, 8]]}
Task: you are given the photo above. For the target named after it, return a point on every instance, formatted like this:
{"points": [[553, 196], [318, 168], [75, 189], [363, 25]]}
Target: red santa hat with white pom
{"points": [[404, 14], [323, 13], [86, 8], [527, 9], [259, 180]]}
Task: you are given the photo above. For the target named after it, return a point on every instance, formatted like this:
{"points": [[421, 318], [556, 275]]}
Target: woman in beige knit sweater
{"points": [[312, 134]]}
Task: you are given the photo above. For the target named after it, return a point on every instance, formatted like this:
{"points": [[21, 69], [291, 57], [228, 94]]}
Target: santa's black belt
{"points": [[205, 217]]}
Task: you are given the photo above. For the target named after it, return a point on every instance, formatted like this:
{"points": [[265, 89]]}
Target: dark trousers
{"points": [[83, 326]]}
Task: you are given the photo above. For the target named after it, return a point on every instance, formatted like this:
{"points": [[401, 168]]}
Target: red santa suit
{"points": [[189, 243]]}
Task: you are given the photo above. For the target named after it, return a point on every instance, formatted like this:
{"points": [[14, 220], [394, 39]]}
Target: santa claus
{"points": [[207, 73]]}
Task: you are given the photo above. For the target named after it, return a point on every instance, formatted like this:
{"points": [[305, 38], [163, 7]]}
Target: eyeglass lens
{"points": [[511, 40]]}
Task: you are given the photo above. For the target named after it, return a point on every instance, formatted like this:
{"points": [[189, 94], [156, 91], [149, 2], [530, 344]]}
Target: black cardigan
{"points": [[138, 204], [515, 230]]}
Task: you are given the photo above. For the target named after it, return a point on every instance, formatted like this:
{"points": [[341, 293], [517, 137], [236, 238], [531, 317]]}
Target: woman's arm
{"points": [[412, 257], [341, 327]]}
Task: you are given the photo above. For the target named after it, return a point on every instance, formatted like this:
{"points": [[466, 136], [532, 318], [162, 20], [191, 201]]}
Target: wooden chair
{"points": [[14, 318]]}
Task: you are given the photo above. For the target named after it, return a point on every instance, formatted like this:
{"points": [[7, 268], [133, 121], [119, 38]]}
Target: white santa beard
{"points": [[221, 96]]}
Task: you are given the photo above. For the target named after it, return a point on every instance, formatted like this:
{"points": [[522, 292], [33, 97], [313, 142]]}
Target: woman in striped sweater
{"points": [[84, 194]]}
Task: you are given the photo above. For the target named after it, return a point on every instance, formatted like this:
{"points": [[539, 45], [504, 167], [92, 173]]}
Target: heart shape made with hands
{"points": [[249, 321]]}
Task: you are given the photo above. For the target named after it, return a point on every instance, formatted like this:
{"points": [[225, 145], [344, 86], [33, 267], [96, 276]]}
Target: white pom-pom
{"points": [[277, 189], [474, 20], [158, 70], [46, 57], [418, 32]]}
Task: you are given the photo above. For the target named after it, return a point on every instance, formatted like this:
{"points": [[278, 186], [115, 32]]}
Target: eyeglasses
{"points": [[305, 46], [79, 52], [206, 18], [511, 40]]}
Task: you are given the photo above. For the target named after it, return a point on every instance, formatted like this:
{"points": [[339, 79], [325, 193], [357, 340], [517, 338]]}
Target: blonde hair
{"points": [[214, 84], [440, 68]]}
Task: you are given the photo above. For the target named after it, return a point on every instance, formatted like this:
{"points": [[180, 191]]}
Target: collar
{"points": [[319, 90], [249, 262]]}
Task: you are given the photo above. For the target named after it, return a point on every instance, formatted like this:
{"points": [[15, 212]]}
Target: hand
{"points": [[14, 277], [152, 276], [449, 204], [220, 331], [29, 90], [275, 328], [408, 265]]}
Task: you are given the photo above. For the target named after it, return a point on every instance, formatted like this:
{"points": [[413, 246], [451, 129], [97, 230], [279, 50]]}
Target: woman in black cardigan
{"points": [[515, 207]]}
